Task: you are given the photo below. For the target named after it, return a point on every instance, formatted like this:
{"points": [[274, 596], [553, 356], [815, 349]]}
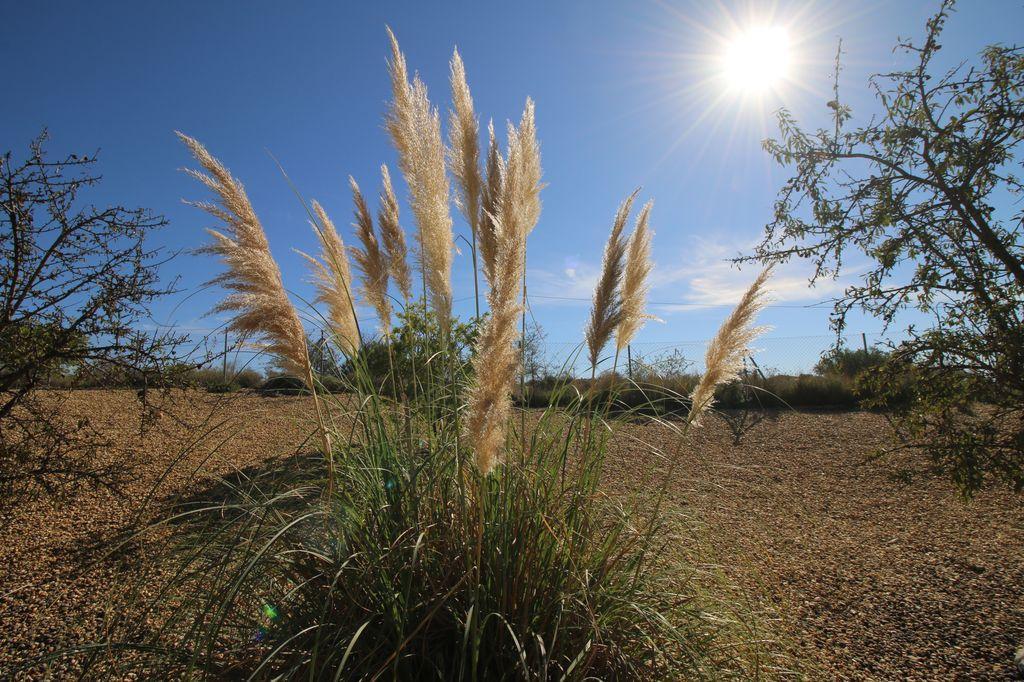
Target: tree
{"points": [[926, 190], [326, 360], [77, 281], [417, 346], [531, 347]]}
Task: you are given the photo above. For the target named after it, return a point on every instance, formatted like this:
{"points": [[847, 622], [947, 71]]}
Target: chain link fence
{"points": [[769, 355]]}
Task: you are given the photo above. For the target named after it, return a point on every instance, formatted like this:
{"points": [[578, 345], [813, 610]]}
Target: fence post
{"points": [[757, 367], [322, 359], [864, 339], [629, 361]]}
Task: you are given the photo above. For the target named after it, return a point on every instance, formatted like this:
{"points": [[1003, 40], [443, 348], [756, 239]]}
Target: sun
{"points": [[757, 60]]}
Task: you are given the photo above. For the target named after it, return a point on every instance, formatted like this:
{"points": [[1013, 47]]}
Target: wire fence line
{"points": [[768, 355]]}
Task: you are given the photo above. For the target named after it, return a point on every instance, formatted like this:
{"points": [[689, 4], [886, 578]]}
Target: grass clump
{"points": [[435, 536], [420, 568]]}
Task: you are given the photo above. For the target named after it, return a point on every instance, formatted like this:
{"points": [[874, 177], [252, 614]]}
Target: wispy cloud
{"points": [[709, 278], [575, 280], [702, 277]]}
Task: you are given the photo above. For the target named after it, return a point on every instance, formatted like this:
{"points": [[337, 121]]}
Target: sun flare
{"points": [[757, 60]]}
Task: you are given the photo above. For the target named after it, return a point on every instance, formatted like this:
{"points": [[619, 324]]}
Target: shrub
{"points": [[414, 344], [215, 380], [78, 281], [332, 384], [283, 385], [248, 378], [849, 363], [666, 397]]}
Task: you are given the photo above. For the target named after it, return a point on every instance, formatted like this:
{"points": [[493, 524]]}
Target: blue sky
{"points": [[626, 96]]}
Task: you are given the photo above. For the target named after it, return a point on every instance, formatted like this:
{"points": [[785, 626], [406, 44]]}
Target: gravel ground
{"points": [[874, 577]]}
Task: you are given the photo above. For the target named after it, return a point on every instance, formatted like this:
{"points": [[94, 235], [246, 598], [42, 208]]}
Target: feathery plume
{"points": [[491, 195], [497, 359], [332, 278], [606, 311], [415, 129], [370, 260], [393, 236], [634, 281], [724, 357], [464, 145], [258, 302], [523, 172]]}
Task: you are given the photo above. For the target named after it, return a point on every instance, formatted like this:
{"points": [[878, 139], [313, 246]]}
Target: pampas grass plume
{"points": [[332, 279], [415, 129], [606, 312], [371, 260], [491, 196], [464, 145], [497, 358], [392, 235], [258, 302], [634, 281], [724, 357]]}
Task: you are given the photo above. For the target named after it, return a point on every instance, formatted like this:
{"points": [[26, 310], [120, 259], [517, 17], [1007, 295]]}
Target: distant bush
{"points": [[849, 363], [414, 345], [659, 397], [215, 380], [249, 378], [806, 390], [283, 385], [332, 384]]}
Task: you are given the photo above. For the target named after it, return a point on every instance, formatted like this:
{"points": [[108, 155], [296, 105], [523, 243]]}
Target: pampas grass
{"points": [[397, 572], [370, 260], [724, 358], [464, 156], [519, 205], [497, 359], [392, 235], [415, 129], [495, 364], [634, 281], [606, 312], [491, 195], [332, 279], [258, 303]]}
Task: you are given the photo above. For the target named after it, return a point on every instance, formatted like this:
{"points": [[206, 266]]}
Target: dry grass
{"points": [[332, 278], [497, 360], [415, 129], [606, 312], [724, 357], [393, 236], [487, 238], [464, 146], [258, 302], [634, 281], [371, 260]]}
